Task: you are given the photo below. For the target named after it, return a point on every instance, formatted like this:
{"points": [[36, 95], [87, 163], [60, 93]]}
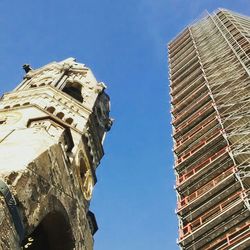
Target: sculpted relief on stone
{"points": [[9, 118], [85, 176], [43, 77], [88, 185]]}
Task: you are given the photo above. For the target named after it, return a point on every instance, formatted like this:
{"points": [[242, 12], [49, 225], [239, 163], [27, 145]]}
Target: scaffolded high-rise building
{"points": [[210, 96]]}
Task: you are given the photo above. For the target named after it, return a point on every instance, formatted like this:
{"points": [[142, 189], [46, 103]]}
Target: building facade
{"points": [[52, 128], [210, 97]]}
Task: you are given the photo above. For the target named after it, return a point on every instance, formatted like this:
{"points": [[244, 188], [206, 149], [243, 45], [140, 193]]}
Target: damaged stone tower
{"points": [[52, 127]]}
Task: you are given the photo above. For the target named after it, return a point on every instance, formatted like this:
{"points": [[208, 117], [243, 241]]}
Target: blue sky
{"points": [[124, 43]]}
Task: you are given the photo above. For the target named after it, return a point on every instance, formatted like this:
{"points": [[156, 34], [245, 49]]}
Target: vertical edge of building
{"points": [[209, 67]]}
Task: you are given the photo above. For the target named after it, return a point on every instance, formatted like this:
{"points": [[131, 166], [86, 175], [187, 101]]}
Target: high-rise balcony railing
{"points": [[194, 119], [186, 82], [191, 108], [196, 133], [179, 39], [182, 78], [211, 187], [207, 163], [200, 146], [239, 236], [179, 94], [178, 60], [184, 66], [188, 99], [185, 58], [216, 214]]}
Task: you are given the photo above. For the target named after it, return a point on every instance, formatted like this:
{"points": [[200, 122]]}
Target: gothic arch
{"points": [[69, 120], [51, 109], [53, 231], [60, 115], [74, 89]]}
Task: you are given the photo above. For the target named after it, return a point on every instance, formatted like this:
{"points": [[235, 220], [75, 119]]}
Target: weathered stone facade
{"points": [[52, 127]]}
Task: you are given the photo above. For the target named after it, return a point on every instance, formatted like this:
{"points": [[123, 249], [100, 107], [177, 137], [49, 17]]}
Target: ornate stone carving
{"points": [[47, 76], [49, 157], [10, 118]]}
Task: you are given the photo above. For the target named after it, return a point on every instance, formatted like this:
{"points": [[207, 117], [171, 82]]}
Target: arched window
{"points": [[69, 120], [74, 90], [7, 107], [60, 115], [53, 233], [51, 109], [16, 105], [26, 103]]}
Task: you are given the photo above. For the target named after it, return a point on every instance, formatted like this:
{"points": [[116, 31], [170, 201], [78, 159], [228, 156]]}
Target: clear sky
{"points": [[124, 43]]}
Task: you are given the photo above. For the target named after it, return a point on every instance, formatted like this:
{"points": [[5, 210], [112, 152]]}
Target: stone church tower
{"points": [[52, 128]]}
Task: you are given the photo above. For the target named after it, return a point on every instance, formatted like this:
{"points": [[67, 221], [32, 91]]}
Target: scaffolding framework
{"points": [[210, 105]]}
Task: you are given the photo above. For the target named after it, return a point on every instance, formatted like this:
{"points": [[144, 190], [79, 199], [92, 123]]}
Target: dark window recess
{"points": [[74, 92], [51, 109], [53, 233], [60, 115], [69, 120]]}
